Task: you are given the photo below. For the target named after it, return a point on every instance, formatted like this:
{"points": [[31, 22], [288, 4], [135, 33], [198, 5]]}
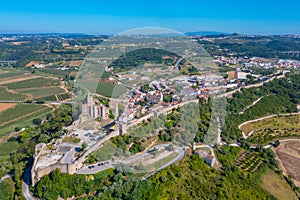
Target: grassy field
{"points": [[71, 140], [104, 89], [277, 186], [33, 83], [4, 130], [161, 162], [38, 93], [48, 98], [110, 90], [5, 95], [105, 152], [228, 154]]}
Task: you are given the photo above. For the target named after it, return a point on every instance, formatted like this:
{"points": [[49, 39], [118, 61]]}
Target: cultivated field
{"points": [[248, 161], [268, 135], [292, 121], [5, 106], [288, 156], [277, 186], [14, 79], [9, 95], [270, 129], [20, 116], [33, 83], [38, 93], [15, 86]]}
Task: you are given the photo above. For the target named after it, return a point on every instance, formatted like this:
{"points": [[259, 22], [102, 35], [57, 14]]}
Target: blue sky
{"points": [[97, 17]]}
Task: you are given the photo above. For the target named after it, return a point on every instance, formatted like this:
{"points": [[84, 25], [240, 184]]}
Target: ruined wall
{"points": [[37, 174]]}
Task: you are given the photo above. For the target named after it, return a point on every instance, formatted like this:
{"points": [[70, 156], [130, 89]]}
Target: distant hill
{"points": [[205, 33]]}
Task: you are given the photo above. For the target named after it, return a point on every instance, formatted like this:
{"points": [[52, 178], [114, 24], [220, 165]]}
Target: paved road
{"points": [[25, 190], [178, 61], [95, 168], [68, 157], [25, 183], [181, 153]]}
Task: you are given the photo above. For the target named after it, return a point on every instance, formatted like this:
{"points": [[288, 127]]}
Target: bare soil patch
{"points": [[288, 157], [5, 106]]}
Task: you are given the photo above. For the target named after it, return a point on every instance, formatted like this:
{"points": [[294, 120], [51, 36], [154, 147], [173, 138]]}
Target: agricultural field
{"points": [[15, 79], [291, 121], [277, 186], [268, 135], [288, 158], [38, 93], [7, 74], [63, 96], [33, 83], [270, 129], [248, 161], [8, 95], [17, 86], [20, 116]]}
